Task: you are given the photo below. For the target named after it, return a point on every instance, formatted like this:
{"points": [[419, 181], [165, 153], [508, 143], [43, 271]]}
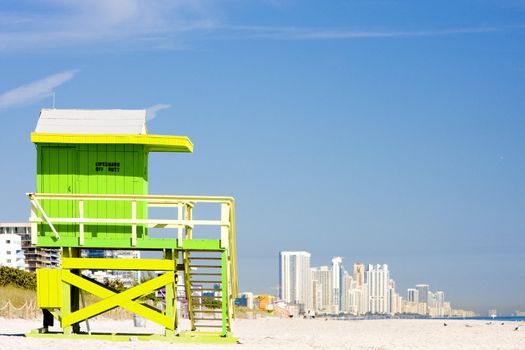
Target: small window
{"points": [[8, 261], [7, 241], [8, 252]]}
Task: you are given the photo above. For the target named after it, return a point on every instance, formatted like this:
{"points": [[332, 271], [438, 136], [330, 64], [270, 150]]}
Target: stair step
{"points": [[206, 319], [208, 325], [203, 297], [203, 258], [202, 281], [206, 289], [204, 274], [206, 266], [208, 311]]}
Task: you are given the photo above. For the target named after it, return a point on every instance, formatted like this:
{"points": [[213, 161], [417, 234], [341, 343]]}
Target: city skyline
{"points": [[404, 138], [332, 290]]}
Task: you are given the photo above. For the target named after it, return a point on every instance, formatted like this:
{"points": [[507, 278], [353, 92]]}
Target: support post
{"points": [[70, 294], [170, 295], [225, 225], [224, 295], [187, 269], [180, 217]]}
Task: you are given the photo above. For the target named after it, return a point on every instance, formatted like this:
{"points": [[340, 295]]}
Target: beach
{"points": [[275, 333]]}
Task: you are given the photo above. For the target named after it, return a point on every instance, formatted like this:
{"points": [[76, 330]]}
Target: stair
{"points": [[203, 271]]}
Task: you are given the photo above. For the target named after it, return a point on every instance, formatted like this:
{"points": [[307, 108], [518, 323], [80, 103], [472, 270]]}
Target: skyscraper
{"points": [[377, 279], [346, 286], [422, 290], [359, 274], [295, 279], [337, 288], [323, 277], [440, 303], [392, 297]]}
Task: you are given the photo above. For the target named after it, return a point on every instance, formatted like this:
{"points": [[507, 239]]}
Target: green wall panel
{"points": [[93, 169]]}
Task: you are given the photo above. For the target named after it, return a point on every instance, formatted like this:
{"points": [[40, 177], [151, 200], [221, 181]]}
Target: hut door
{"points": [[57, 173]]}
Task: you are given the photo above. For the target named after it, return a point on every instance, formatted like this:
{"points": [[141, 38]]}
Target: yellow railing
{"points": [[184, 221]]}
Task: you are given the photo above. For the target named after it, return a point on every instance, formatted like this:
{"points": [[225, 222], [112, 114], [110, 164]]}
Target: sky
{"points": [[380, 131]]}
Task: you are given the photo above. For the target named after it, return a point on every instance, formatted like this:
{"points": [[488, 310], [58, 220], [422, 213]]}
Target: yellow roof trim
{"points": [[154, 143]]}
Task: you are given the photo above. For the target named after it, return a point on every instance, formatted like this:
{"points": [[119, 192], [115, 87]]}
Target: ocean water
{"points": [[488, 318]]}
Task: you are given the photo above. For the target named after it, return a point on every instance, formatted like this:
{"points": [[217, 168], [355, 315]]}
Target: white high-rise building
{"points": [[392, 298], [322, 276], [347, 285], [295, 279], [358, 295], [440, 303], [11, 254], [365, 306], [337, 280], [355, 301], [378, 278]]}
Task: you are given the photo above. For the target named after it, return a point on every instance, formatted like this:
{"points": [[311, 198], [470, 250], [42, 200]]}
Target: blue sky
{"points": [[380, 131]]}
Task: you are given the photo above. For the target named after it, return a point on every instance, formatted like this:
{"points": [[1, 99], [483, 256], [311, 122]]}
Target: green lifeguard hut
{"points": [[92, 193]]}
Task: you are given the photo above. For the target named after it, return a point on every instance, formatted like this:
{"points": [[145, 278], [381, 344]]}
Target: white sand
{"points": [[267, 334]]}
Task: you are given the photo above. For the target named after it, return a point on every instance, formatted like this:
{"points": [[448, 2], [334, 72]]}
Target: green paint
{"points": [[124, 243], [115, 168], [92, 169]]}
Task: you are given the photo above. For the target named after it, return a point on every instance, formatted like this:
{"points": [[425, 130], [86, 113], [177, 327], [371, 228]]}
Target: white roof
{"points": [[86, 121]]}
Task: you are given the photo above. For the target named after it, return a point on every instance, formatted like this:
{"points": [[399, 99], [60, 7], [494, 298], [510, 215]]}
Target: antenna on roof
{"points": [[53, 100]]}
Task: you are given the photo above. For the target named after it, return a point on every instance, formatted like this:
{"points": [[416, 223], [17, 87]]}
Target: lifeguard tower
{"points": [[92, 183]]}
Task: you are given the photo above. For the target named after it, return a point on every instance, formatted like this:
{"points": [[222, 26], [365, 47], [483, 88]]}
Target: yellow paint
{"points": [[124, 299], [48, 288], [154, 143]]}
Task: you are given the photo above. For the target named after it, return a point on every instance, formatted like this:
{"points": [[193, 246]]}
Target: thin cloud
{"points": [[151, 112], [301, 33], [132, 24], [163, 25], [35, 91]]}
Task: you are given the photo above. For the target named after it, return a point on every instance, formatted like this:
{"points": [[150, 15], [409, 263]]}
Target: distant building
{"points": [[33, 257], [127, 277], [439, 297], [337, 280], [321, 289], [392, 298], [359, 274], [295, 279], [11, 254], [245, 299], [412, 295], [422, 291], [377, 279], [346, 285], [356, 302]]}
